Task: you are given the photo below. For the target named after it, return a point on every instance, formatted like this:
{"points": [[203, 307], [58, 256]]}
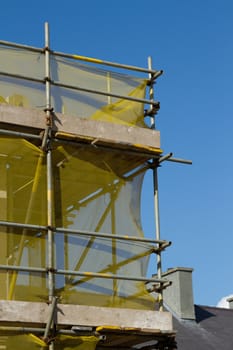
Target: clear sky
{"points": [[192, 41]]}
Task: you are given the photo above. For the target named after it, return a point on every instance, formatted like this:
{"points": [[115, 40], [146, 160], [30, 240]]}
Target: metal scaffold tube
{"points": [[46, 146], [89, 275], [21, 46], [85, 274], [156, 191], [19, 134], [162, 243], [85, 59], [19, 268], [49, 82], [48, 108], [50, 238], [103, 93], [108, 235], [12, 330]]}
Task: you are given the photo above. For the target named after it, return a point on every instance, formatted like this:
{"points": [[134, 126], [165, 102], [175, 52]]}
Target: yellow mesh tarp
{"points": [[92, 192], [123, 111], [61, 342], [25, 93]]}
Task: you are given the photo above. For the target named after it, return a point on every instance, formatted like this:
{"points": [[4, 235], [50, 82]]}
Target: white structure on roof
{"points": [[224, 303]]}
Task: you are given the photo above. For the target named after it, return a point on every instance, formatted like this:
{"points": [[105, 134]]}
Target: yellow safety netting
{"points": [[61, 342], [25, 93], [94, 191]]}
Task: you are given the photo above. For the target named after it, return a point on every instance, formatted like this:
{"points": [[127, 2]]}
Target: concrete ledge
{"points": [[66, 126], [28, 313]]}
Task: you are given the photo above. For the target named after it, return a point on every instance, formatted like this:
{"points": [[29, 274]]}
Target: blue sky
{"points": [[192, 41]]}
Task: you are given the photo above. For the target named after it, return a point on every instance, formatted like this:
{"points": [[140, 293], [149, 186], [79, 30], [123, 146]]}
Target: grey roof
{"points": [[212, 330]]}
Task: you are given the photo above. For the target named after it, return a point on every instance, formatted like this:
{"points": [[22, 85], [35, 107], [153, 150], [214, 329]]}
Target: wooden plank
{"points": [[20, 312]]}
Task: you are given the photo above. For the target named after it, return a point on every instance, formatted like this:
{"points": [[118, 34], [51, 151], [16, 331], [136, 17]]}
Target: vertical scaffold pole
{"points": [[47, 138], [109, 87], [49, 167], [156, 191], [50, 231]]}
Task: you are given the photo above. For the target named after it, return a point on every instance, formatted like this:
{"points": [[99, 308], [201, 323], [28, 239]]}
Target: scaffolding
{"points": [[74, 148]]}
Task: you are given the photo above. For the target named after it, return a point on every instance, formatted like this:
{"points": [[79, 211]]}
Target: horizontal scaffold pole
{"points": [[103, 93], [19, 134], [155, 73], [168, 157], [108, 63], [108, 235], [78, 88], [19, 76], [179, 160], [21, 46], [83, 233], [110, 276], [23, 268], [88, 274], [76, 331]]}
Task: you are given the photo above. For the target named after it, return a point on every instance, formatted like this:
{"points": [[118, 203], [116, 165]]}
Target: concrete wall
{"points": [[179, 296]]}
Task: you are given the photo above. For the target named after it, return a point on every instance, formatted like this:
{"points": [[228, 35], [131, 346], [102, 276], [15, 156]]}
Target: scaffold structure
{"points": [[77, 135]]}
